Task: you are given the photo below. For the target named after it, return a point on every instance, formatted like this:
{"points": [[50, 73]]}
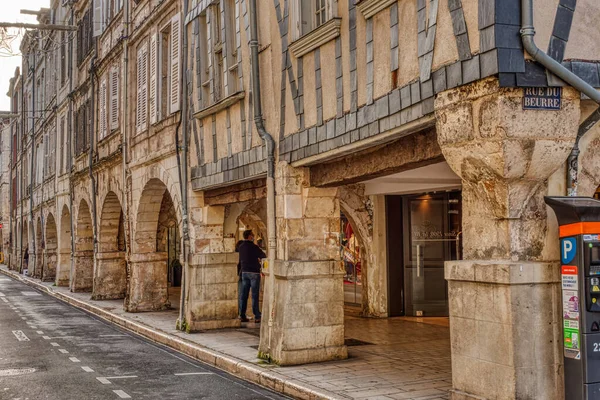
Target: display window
{"points": [[351, 256]]}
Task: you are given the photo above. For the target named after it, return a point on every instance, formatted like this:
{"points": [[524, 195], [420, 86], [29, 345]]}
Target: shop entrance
{"points": [[351, 255], [423, 232]]}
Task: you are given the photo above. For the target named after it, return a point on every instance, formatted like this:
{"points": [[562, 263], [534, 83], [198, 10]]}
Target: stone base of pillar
{"points": [[308, 321], [110, 281], [213, 292], [63, 269], [148, 285], [49, 272], [83, 271], [505, 330]]}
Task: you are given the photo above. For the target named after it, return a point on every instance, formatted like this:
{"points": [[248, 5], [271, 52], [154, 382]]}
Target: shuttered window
{"points": [[174, 100], [102, 113], [114, 98], [142, 89], [153, 79]]}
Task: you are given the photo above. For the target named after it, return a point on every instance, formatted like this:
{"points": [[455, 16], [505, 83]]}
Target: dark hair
{"points": [[248, 233]]}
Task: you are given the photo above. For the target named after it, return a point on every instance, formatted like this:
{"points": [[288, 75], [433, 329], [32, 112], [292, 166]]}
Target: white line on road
{"points": [[103, 380], [74, 359], [24, 319], [46, 337], [63, 351], [87, 369], [4, 300], [20, 336], [122, 394], [1, 294], [112, 335], [33, 326], [31, 294], [55, 344], [39, 332], [194, 373], [121, 377]]}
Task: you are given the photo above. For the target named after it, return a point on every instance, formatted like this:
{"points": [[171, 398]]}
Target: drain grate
{"points": [[355, 342]]}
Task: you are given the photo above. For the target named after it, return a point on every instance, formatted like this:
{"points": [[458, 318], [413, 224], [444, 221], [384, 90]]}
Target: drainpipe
{"points": [[527, 35], [22, 167], [71, 151], [124, 126], [270, 143], [32, 227], [91, 154], [182, 164]]}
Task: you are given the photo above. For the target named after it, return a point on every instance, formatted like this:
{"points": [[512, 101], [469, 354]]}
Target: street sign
{"points": [[542, 98]]}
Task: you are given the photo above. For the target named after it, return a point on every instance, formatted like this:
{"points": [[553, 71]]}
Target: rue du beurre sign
{"points": [[542, 98]]}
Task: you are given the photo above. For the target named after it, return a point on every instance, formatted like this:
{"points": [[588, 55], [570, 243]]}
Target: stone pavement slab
{"points": [[394, 358]]}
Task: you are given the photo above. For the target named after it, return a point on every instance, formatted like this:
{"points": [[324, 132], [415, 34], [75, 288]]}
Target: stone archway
{"points": [[39, 250], [63, 266], [24, 244], [83, 268], [110, 277], [156, 220], [51, 244]]}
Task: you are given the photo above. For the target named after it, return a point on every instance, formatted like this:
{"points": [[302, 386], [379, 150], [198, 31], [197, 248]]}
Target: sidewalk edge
{"points": [[241, 369]]}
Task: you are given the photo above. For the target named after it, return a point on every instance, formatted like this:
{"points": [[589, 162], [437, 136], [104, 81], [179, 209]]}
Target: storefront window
{"points": [[351, 256]]}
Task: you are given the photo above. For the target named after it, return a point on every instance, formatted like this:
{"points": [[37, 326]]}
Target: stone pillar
{"points": [[63, 268], [213, 280], [308, 297], [83, 271], [49, 272], [110, 280], [148, 284], [505, 306]]}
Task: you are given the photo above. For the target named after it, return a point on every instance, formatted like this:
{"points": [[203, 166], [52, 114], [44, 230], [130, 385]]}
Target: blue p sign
{"points": [[568, 250]]}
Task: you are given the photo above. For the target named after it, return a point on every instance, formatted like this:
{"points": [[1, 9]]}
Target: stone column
{"points": [[308, 297], [505, 306], [148, 283], [212, 282], [83, 271], [110, 280], [49, 272], [63, 268]]}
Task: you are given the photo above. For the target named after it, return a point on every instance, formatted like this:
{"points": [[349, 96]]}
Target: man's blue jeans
{"points": [[250, 280]]}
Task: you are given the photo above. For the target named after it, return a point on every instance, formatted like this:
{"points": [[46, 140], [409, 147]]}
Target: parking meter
{"points": [[579, 224]]}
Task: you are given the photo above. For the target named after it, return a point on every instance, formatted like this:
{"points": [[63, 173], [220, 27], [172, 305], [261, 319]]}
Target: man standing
{"points": [[250, 256]]}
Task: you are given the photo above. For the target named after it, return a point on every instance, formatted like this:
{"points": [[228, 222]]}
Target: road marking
{"points": [[33, 326], [39, 332], [122, 394], [121, 377], [63, 351], [1, 294], [24, 319], [46, 337], [31, 294], [87, 369], [20, 336], [103, 380], [62, 337], [16, 371], [55, 344], [194, 373], [4, 300], [74, 359], [112, 335]]}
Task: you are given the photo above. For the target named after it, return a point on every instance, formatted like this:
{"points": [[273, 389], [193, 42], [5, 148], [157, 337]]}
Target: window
{"points": [[63, 59], [164, 71], [62, 146], [202, 63], [311, 14], [114, 99], [104, 12], [102, 126], [141, 112], [85, 39], [82, 126]]}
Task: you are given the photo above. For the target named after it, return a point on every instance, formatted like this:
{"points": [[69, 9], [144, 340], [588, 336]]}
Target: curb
{"points": [[241, 369]]}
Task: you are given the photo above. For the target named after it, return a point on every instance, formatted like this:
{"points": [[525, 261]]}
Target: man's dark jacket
{"points": [[249, 255]]}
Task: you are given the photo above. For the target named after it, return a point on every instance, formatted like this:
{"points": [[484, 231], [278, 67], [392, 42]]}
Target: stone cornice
{"points": [[371, 7], [316, 38]]}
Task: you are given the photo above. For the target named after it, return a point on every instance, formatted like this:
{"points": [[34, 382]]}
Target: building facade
{"points": [[409, 171]]}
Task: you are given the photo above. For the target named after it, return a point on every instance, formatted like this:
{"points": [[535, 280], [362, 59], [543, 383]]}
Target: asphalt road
{"points": [[51, 350]]}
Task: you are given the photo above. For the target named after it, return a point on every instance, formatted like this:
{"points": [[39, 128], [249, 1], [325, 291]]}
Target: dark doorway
{"points": [[424, 231]]}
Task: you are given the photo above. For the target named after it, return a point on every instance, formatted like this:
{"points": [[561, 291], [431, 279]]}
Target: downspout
{"points": [[527, 35], [91, 153], [71, 151], [22, 168], [182, 164], [32, 227], [124, 125], [270, 143]]}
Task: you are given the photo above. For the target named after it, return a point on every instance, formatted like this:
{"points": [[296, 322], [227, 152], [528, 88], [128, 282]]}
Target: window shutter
{"points": [[102, 123], [175, 51], [153, 78], [114, 99], [98, 18], [142, 86]]}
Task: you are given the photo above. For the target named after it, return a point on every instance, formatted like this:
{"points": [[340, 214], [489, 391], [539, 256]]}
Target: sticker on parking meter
{"points": [[570, 300], [569, 277], [568, 249]]}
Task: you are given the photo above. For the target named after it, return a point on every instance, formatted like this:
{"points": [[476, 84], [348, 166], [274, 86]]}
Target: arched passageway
{"points": [[51, 251], [155, 251], [39, 250], [110, 279], [24, 246], [83, 268], [63, 267]]}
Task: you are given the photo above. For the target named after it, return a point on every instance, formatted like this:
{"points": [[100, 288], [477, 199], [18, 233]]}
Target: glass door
{"points": [[431, 237]]}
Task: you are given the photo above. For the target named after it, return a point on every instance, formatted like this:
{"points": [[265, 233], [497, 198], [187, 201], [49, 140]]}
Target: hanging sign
{"points": [[542, 98]]}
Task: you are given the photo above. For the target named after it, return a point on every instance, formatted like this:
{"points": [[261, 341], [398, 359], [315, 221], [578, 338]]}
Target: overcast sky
{"points": [[10, 12]]}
